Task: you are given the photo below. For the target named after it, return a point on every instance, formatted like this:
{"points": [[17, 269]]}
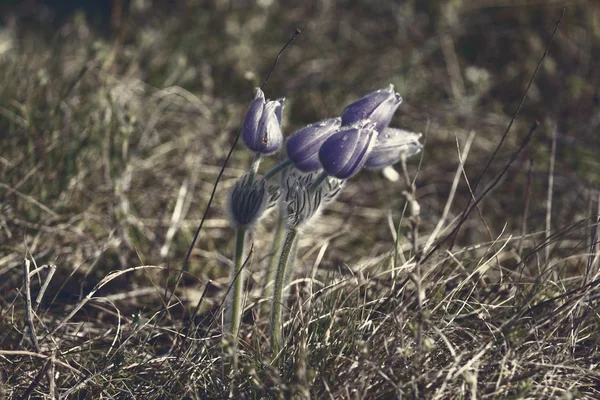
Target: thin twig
{"points": [[175, 218], [461, 160], [38, 299], [51, 380], [549, 195], [528, 193], [296, 33], [417, 276], [28, 304]]}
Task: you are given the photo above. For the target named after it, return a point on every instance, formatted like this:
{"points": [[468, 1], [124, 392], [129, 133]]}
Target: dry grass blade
{"points": [[29, 306], [99, 286], [459, 172]]}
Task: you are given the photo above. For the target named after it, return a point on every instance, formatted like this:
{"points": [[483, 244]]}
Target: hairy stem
{"points": [[277, 169], [238, 283], [274, 262], [254, 167], [319, 180], [285, 260]]}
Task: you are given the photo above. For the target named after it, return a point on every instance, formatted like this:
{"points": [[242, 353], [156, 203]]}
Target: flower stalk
{"points": [[319, 180], [286, 260], [275, 249], [254, 167], [277, 169], [238, 283]]}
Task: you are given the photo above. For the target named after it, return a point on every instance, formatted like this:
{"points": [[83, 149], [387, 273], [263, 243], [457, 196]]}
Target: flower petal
{"points": [[303, 146], [269, 138], [252, 119], [378, 106], [391, 144], [344, 153]]}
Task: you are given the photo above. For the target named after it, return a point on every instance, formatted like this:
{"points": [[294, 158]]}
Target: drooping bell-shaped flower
{"points": [[261, 131], [303, 145], [248, 200], [391, 144], [378, 106], [347, 150]]}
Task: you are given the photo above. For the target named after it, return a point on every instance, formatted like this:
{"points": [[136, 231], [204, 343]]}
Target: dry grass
{"points": [[111, 143]]}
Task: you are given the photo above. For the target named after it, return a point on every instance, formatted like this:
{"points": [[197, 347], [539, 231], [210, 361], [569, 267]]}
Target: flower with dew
{"points": [[392, 144], [303, 145], [261, 131], [347, 150], [378, 106]]}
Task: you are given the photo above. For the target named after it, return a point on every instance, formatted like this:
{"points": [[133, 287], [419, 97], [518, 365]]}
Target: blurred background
{"points": [[116, 116]]}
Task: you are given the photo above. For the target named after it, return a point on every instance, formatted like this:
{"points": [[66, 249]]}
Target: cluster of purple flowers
{"points": [[320, 158], [341, 146]]}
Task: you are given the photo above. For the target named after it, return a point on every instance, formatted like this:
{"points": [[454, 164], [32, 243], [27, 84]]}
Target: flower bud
{"points": [[347, 150], [247, 201], [302, 203], [378, 106], [273, 196], [391, 144], [303, 145], [261, 131]]}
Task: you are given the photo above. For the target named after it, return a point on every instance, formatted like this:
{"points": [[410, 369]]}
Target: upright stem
{"points": [[238, 283], [319, 180], [254, 167], [286, 260], [278, 168], [236, 274], [274, 262]]}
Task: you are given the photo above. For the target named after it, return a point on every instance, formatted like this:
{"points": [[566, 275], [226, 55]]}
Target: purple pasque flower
{"points": [[378, 106], [303, 145], [347, 150], [391, 144], [261, 131]]}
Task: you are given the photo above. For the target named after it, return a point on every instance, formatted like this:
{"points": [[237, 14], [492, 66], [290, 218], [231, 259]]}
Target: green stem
{"points": [[238, 283], [254, 167], [273, 263], [320, 179], [278, 168], [285, 261]]}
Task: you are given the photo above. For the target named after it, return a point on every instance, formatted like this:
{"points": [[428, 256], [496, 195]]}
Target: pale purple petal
{"points": [[345, 152], [303, 146]]}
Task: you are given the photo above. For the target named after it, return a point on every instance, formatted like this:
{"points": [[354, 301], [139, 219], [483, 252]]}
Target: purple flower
{"points": [[346, 151], [261, 131], [378, 106], [303, 146], [390, 146]]}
